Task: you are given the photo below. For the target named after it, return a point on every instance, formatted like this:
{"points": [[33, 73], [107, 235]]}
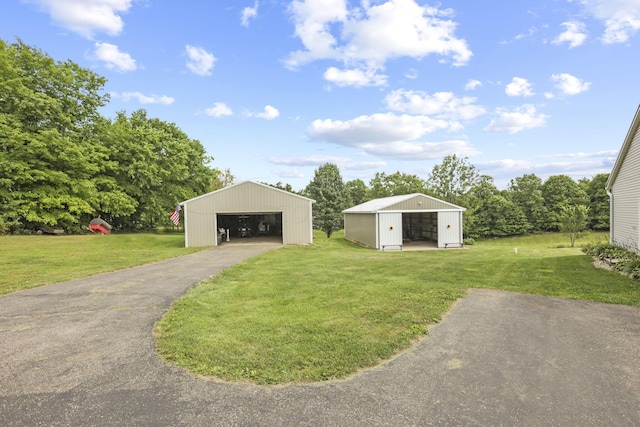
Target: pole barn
{"points": [[396, 221], [248, 210]]}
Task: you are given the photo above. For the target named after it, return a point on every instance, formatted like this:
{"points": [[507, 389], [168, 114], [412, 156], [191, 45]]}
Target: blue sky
{"points": [[273, 88]]}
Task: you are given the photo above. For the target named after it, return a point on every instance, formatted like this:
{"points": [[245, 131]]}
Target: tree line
{"points": [[528, 205], [63, 163]]}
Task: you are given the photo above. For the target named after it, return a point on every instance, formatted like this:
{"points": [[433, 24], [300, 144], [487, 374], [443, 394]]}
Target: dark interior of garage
{"points": [[251, 225], [420, 226]]}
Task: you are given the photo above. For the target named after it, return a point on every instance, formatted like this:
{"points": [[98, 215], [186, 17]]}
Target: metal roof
{"points": [[377, 205], [244, 183]]}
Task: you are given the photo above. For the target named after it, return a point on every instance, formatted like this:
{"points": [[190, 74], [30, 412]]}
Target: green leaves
{"points": [[328, 190], [61, 162]]}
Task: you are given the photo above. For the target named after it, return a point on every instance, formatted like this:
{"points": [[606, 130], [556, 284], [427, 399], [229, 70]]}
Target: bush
{"points": [[468, 241], [627, 262]]}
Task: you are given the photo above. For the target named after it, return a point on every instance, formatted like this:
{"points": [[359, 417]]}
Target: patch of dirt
{"points": [[598, 263]]}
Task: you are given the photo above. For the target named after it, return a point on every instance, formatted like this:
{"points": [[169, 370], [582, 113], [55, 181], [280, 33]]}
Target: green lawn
{"points": [[305, 314], [30, 261]]}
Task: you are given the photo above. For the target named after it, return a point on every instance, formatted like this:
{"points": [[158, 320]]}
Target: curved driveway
{"points": [[81, 353]]}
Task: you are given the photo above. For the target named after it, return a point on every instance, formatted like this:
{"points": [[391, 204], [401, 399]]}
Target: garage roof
{"points": [[385, 203], [234, 187]]}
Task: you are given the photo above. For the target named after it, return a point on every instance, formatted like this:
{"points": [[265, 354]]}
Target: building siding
{"points": [[247, 198], [369, 223], [625, 193], [449, 229], [361, 228], [420, 203]]}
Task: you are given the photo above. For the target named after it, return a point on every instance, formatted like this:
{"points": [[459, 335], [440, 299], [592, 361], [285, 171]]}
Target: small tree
{"points": [[573, 221], [328, 190]]}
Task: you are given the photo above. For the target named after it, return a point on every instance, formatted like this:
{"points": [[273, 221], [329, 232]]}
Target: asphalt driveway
{"points": [[81, 353]]}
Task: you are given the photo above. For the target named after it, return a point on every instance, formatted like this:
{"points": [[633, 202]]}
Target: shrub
{"points": [[627, 262]]}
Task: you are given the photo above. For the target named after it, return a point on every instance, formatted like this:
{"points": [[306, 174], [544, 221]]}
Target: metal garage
{"points": [[248, 210], [396, 221]]}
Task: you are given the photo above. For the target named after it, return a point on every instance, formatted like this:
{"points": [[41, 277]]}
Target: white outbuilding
{"points": [[248, 210], [393, 222]]}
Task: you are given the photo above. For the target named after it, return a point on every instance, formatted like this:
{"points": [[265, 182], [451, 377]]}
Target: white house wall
{"points": [[625, 200]]}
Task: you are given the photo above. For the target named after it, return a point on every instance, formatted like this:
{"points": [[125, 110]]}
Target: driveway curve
{"points": [[81, 353]]}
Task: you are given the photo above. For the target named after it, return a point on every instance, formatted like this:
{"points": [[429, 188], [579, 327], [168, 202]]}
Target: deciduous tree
{"points": [[453, 178], [328, 190]]}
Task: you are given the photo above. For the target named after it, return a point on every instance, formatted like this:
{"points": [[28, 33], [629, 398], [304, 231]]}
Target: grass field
{"points": [[306, 314], [30, 261]]}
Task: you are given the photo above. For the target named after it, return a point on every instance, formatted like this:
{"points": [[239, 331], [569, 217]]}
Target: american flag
{"points": [[175, 216]]}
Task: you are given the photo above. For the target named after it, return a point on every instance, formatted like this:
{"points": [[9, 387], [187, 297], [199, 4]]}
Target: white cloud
{"points": [[219, 109], [612, 154], [200, 61], [569, 85], [574, 34], [409, 150], [269, 113], [374, 129], [288, 173], [621, 18], [86, 17], [144, 99], [365, 37], [510, 168], [472, 84], [444, 105], [344, 163], [354, 77], [519, 87], [411, 74], [389, 135], [362, 166], [521, 118], [309, 160], [113, 58], [248, 13]]}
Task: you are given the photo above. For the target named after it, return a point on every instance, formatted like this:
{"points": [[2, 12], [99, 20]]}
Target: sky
{"points": [[273, 89]]}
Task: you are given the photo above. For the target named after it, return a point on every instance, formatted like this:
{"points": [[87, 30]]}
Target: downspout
{"points": [[610, 194]]}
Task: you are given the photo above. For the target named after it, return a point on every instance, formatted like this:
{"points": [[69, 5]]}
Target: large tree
{"points": [[558, 192], [358, 191], [156, 165], [395, 184], [328, 190], [492, 213], [453, 178], [526, 192], [599, 209], [48, 113]]}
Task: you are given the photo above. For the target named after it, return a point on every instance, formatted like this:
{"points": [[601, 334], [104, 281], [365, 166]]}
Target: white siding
{"points": [[449, 229], [625, 195], [390, 230]]}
